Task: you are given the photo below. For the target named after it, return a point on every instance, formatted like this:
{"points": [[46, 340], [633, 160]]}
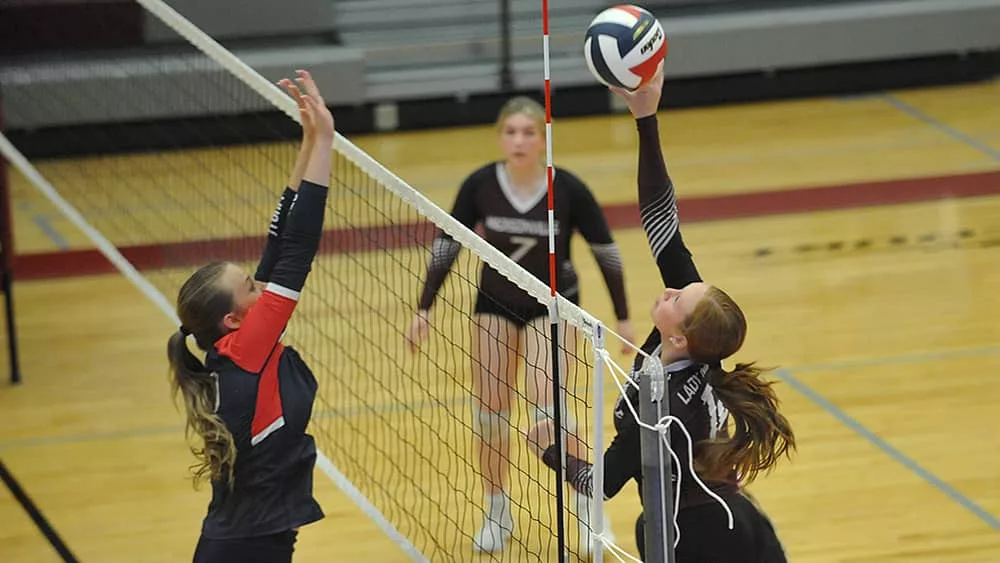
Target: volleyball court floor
{"points": [[860, 235]]}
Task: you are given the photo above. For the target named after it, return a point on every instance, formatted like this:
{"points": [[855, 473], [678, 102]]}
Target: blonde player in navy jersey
{"points": [[696, 327], [251, 399], [508, 198]]}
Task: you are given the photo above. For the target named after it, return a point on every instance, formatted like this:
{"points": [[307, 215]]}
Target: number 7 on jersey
{"points": [[524, 246]]}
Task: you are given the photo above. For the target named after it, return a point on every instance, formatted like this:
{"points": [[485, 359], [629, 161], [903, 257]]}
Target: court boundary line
{"points": [[897, 455], [941, 126]]}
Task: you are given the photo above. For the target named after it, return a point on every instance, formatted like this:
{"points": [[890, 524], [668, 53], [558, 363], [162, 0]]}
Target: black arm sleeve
{"points": [[589, 218], [272, 247], [445, 249], [658, 209], [300, 237], [622, 459], [579, 473]]}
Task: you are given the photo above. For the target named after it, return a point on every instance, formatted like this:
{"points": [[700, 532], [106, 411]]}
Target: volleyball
{"points": [[624, 46]]}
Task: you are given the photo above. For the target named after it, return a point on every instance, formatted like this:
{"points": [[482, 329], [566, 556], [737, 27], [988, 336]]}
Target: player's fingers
{"points": [[307, 81], [315, 105], [292, 89], [305, 118], [620, 91], [296, 93], [308, 107], [657, 81]]}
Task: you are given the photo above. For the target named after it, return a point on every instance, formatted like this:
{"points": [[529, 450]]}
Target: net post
{"points": [[598, 340], [7, 263], [557, 419], [657, 478]]}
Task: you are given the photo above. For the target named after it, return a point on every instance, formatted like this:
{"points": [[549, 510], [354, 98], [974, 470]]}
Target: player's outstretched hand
{"points": [[645, 100], [305, 115], [418, 331], [320, 118]]}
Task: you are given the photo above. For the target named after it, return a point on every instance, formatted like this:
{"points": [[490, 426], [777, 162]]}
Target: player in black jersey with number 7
{"points": [[250, 401], [508, 198], [697, 326]]}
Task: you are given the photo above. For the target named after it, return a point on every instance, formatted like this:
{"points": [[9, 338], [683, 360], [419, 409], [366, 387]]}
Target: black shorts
{"points": [[274, 548], [706, 537], [520, 315]]}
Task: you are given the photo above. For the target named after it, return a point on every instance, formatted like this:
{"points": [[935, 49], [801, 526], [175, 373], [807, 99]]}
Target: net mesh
{"points": [[177, 162]]}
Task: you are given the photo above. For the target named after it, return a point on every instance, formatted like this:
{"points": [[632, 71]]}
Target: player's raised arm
{"points": [[299, 243], [272, 247], [657, 200]]}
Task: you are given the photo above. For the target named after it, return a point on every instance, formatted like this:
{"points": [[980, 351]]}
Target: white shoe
{"points": [[498, 525], [493, 536]]}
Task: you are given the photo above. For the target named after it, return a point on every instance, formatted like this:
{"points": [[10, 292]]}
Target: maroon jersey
{"points": [[518, 226], [692, 399]]}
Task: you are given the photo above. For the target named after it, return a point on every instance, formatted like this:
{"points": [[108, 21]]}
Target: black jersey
{"points": [[692, 399], [518, 226], [265, 391]]}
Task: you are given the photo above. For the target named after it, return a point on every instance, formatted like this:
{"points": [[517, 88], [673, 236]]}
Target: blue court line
{"points": [[91, 437], [381, 409], [942, 127], [904, 460], [41, 221], [862, 97]]}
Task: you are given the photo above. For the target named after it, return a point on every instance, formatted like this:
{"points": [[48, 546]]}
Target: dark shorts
{"points": [[520, 315], [275, 548], [706, 537]]}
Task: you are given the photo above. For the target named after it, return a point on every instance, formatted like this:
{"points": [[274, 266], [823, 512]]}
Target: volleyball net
{"points": [[195, 178]]}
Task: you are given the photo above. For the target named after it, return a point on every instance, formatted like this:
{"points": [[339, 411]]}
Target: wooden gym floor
{"points": [[874, 293]]}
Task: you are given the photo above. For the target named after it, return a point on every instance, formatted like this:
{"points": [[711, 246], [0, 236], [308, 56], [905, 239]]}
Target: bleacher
{"points": [[382, 53]]}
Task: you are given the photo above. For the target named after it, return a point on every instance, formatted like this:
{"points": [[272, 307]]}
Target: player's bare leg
{"points": [[494, 369]]}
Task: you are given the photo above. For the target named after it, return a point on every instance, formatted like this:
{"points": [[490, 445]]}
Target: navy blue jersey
{"points": [[265, 391]]}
